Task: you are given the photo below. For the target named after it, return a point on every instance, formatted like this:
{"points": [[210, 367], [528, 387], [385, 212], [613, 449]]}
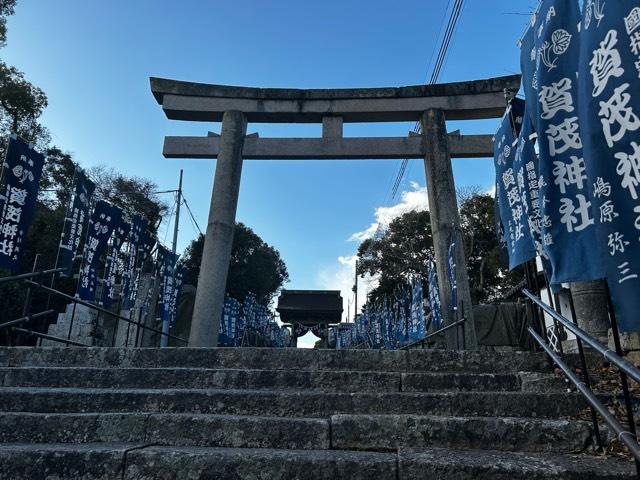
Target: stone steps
{"points": [[289, 404], [98, 413], [141, 462], [252, 379], [339, 432], [277, 359]]}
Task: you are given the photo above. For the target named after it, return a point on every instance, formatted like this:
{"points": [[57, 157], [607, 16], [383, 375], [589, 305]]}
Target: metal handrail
{"points": [[104, 310], [609, 354], [49, 337], [26, 318], [434, 334], [444, 329], [24, 276], [623, 435]]}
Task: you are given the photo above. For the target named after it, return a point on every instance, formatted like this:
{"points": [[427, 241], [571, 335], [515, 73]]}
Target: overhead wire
{"points": [[435, 75]]}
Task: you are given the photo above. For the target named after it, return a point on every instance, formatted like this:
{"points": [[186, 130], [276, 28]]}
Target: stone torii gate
{"points": [[235, 106]]}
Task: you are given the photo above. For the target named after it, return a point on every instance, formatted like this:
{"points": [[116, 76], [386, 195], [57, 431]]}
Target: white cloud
{"points": [[413, 200], [492, 191], [341, 275]]}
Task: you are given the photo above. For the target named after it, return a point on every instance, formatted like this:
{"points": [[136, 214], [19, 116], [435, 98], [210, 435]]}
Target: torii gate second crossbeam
{"points": [[432, 105]]}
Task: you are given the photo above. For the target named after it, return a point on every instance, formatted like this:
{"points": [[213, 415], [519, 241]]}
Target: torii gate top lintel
{"points": [[468, 100]]}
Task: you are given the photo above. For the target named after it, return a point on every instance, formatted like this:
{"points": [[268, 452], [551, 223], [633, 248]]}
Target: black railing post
{"points": [[623, 376], [73, 317], [585, 371]]}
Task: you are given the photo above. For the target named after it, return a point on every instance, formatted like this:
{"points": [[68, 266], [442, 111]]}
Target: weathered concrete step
{"points": [[390, 432], [166, 429], [277, 358], [109, 461], [130, 462], [438, 463], [290, 403], [324, 380]]}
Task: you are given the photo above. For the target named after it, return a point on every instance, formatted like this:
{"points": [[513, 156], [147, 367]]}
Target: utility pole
{"points": [[164, 340]]}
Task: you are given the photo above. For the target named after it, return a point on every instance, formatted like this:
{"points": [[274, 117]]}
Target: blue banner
{"points": [[22, 168], [75, 219], [104, 219], [434, 297], [508, 187], [167, 286], [451, 274], [178, 280], [132, 259], [568, 224], [417, 327], [114, 265], [609, 96], [402, 305]]}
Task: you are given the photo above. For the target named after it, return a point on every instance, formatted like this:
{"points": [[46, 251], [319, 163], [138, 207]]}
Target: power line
{"points": [[193, 218], [435, 75]]}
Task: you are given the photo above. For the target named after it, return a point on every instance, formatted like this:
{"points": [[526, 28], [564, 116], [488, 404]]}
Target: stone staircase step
{"points": [[323, 380], [131, 462], [140, 462], [431, 382], [440, 463], [166, 429], [159, 378], [281, 403], [283, 358], [390, 432]]}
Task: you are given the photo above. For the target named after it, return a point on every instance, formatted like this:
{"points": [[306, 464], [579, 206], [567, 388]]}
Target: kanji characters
{"points": [[607, 212], [563, 136], [9, 230], [569, 174], [575, 218], [17, 196], [13, 214], [625, 273], [555, 98], [615, 111], [6, 247], [616, 243], [629, 169], [606, 63], [601, 188], [508, 178]]}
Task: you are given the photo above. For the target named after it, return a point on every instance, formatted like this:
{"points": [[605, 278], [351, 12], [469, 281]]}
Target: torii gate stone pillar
{"points": [[443, 207], [212, 281]]}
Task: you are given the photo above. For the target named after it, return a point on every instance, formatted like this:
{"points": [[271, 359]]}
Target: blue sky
{"points": [[93, 59]]}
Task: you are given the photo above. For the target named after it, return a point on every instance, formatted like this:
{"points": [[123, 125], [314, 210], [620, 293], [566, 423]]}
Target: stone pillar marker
{"points": [[443, 208], [216, 253]]}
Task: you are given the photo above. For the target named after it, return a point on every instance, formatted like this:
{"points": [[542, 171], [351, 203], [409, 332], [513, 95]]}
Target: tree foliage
{"points": [[399, 254], [403, 251], [132, 194], [487, 262], [7, 8], [255, 266], [21, 104]]}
